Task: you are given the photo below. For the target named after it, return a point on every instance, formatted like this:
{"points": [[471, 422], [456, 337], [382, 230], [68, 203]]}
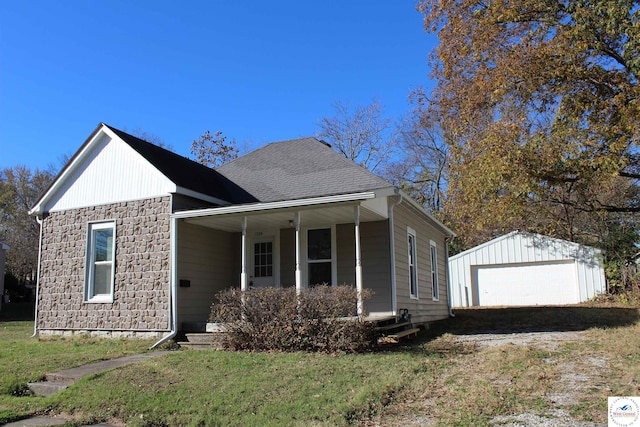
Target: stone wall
{"points": [[141, 299]]}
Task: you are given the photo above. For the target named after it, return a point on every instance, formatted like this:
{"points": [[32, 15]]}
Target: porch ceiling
{"points": [[315, 216]]}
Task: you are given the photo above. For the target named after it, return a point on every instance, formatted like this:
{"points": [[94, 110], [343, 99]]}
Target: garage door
{"points": [[549, 283]]}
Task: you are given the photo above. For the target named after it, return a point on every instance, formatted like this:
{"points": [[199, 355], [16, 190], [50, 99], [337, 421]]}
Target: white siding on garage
{"points": [[543, 256], [129, 176]]}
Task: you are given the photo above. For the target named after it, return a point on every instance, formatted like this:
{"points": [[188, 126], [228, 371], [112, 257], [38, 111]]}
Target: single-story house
{"points": [[3, 259], [525, 269], [136, 240]]}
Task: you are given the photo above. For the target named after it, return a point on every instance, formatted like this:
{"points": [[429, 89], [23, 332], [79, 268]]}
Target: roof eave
{"points": [[268, 206], [425, 212], [201, 196]]}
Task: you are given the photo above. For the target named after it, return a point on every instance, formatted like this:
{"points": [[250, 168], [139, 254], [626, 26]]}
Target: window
{"points": [[413, 266], [100, 262], [434, 270], [319, 256], [263, 259]]}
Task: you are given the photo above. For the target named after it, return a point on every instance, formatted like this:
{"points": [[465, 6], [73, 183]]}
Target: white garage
{"points": [[524, 269]]}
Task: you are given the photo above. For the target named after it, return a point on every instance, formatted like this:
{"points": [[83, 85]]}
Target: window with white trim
{"points": [[413, 263], [319, 256], [434, 270], [100, 268]]}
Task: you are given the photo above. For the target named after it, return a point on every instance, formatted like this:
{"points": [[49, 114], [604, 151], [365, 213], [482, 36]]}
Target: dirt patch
{"points": [[544, 340], [556, 380]]}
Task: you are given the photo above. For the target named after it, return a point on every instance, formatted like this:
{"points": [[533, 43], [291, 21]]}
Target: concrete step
{"points": [[204, 338], [47, 388], [200, 345], [213, 340]]}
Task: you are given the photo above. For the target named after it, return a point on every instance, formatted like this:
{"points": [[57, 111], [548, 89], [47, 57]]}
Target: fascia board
{"points": [[422, 210], [256, 207]]}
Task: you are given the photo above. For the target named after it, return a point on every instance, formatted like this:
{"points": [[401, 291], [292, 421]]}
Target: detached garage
{"points": [[521, 269]]}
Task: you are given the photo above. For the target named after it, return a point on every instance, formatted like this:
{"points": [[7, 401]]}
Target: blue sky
{"points": [[258, 71]]}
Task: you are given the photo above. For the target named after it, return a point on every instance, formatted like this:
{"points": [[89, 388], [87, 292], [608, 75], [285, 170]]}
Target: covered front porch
{"points": [[334, 240]]}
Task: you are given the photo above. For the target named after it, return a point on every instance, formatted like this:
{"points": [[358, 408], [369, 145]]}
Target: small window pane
{"points": [[434, 271], [103, 244], [102, 279], [319, 244], [413, 276], [320, 273]]}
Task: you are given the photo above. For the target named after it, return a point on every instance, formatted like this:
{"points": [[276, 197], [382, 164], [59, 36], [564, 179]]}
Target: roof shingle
{"points": [[297, 169]]}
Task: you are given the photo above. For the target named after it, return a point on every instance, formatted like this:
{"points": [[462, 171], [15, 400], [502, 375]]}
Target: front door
{"points": [[263, 271]]}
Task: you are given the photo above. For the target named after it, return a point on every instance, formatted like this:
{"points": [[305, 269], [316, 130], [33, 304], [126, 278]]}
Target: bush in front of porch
{"points": [[320, 319]]}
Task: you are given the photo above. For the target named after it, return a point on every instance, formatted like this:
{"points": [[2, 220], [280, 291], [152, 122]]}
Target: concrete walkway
{"points": [[58, 381], [46, 422]]}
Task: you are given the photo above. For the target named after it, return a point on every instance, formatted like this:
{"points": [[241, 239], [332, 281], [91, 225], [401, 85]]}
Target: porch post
{"points": [[243, 271], [358, 261], [298, 255]]}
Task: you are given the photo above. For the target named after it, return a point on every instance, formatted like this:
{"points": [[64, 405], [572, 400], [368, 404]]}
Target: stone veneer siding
{"points": [[142, 270]]}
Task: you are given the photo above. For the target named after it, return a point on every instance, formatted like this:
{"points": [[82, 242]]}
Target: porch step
{"points": [[407, 333], [204, 341], [394, 329], [392, 326]]}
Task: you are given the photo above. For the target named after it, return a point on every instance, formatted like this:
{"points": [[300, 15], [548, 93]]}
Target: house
{"points": [[137, 240], [525, 269], [3, 259]]}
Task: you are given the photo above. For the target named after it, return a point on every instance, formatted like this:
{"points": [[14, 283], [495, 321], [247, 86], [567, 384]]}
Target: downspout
{"points": [[35, 320], [447, 240], [392, 257], [174, 282]]}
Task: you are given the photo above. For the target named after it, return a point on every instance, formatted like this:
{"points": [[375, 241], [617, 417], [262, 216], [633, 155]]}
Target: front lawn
{"points": [[435, 381], [198, 387]]}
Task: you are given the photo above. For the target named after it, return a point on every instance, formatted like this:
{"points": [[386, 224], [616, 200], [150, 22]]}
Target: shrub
{"points": [[321, 319]]}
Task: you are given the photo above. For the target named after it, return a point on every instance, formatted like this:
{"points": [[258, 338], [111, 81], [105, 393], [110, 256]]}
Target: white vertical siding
{"points": [[110, 173], [519, 247]]}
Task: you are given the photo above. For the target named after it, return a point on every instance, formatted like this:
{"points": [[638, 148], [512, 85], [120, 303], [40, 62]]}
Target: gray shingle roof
{"points": [[182, 171], [297, 169]]}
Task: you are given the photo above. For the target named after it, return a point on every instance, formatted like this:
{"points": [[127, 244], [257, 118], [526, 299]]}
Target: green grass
{"points": [[224, 388], [24, 359], [436, 377], [197, 388]]}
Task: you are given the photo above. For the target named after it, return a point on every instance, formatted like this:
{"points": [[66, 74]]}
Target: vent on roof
{"points": [[325, 142]]}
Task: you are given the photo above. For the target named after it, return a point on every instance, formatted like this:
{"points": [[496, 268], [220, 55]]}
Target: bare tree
{"points": [[20, 188], [213, 150], [362, 134]]}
